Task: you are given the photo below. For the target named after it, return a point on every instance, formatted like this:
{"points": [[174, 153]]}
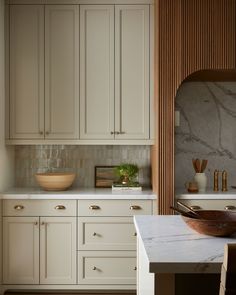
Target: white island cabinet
{"points": [[172, 257], [72, 240]]}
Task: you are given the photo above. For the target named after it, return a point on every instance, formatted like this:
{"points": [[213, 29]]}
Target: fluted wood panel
{"points": [[190, 35]]}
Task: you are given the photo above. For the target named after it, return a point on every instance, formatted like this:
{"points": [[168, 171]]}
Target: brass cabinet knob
{"points": [[19, 207], [195, 207], [135, 268], [112, 132], [135, 234], [60, 207], [94, 268], [230, 207], [41, 132], [135, 207], [94, 234], [43, 223], [94, 207], [36, 223], [47, 132]]}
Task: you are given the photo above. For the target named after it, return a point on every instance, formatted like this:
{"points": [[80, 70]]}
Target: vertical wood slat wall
{"points": [[190, 35]]}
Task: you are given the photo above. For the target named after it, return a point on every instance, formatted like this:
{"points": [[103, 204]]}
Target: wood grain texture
{"points": [[190, 36]]}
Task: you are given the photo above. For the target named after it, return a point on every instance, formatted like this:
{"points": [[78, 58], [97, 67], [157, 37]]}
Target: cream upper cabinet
{"points": [[26, 71], [96, 71], [114, 72], [21, 250], [61, 71], [132, 94], [44, 71]]}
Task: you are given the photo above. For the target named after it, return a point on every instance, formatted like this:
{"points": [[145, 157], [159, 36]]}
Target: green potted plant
{"points": [[127, 174]]}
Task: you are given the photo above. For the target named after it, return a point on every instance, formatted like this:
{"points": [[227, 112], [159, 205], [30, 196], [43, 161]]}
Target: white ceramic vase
{"points": [[201, 181]]}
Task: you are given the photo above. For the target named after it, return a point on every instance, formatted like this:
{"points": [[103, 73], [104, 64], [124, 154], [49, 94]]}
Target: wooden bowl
{"points": [[55, 181], [216, 223]]}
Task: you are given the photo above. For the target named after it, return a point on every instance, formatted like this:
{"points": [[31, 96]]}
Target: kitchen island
{"points": [[171, 254]]}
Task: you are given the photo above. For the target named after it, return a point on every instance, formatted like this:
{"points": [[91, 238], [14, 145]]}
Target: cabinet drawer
{"points": [[107, 267], [39, 207], [106, 233], [211, 204], [114, 207]]}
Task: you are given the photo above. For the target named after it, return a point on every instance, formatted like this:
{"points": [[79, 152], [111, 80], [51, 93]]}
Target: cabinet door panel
{"points": [[132, 71], [20, 250], [61, 71], [97, 71], [26, 71], [58, 250]]}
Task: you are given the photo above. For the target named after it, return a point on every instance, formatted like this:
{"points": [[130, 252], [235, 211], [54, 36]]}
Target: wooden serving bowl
{"points": [[216, 223], [57, 181]]}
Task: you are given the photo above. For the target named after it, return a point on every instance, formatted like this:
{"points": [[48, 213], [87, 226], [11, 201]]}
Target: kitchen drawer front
{"points": [[107, 267], [211, 204], [39, 207], [114, 207], [106, 233]]}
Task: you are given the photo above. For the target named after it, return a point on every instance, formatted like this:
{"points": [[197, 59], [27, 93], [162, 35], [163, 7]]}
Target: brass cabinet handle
{"points": [[195, 207], [19, 207], [230, 207], [94, 268], [60, 207], [36, 223], [112, 132], [135, 234], [94, 207], [47, 132], [135, 268], [135, 207], [43, 223], [94, 234], [41, 132]]}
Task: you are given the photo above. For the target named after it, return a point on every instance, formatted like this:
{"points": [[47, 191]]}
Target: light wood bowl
{"points": [[57, 181]]}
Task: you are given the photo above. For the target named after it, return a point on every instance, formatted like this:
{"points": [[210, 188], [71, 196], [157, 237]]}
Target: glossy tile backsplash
{"points": [[80, 159], [207, 129]]}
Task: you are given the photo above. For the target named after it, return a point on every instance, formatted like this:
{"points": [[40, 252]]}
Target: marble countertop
{"points": [[77, 194], [209, 194], [172, 247]]}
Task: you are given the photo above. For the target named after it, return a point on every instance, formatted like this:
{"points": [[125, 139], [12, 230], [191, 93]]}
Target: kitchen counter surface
{"points": [[77, 194], [172, 247], [209, 194]]}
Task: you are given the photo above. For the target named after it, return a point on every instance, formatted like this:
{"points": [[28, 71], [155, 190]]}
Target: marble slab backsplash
{"points": [[207, 130], [80, 159]]}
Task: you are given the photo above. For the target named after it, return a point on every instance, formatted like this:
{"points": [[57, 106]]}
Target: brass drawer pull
{"points": [[135, 207], [195, 207], [230, 207], [135, 234], [135, 268], [94, 268], [60, 207], [94, 207], [94, 234], [19, 207]]}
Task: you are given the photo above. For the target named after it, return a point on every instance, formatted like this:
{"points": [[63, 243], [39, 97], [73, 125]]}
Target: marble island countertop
{"points": [[209, 194], [77, 194], [172, 247]]}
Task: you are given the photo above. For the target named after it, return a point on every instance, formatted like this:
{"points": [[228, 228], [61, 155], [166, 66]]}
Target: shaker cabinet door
{"points": [[26, 77], [132, 71], [61, 71], [58, 250], [21, 250], [97, 71]]}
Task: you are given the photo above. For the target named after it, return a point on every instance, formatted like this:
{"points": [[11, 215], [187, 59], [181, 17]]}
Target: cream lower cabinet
{"points": [[209, 204], [107, 241], [38, 250]]}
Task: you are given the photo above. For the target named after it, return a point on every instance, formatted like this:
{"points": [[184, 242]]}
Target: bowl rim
{"points": [[211, 220], [56, 174]]}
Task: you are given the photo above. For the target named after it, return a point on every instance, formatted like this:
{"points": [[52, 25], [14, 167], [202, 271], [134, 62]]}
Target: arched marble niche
{"points": [[206, 101]]}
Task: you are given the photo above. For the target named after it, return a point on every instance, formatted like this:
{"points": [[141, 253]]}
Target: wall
{"points": [[80, 159], [207, 129]]}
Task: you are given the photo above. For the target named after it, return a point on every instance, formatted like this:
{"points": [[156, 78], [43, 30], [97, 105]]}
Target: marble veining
{"points": [[207, 122], [172, 247]]}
